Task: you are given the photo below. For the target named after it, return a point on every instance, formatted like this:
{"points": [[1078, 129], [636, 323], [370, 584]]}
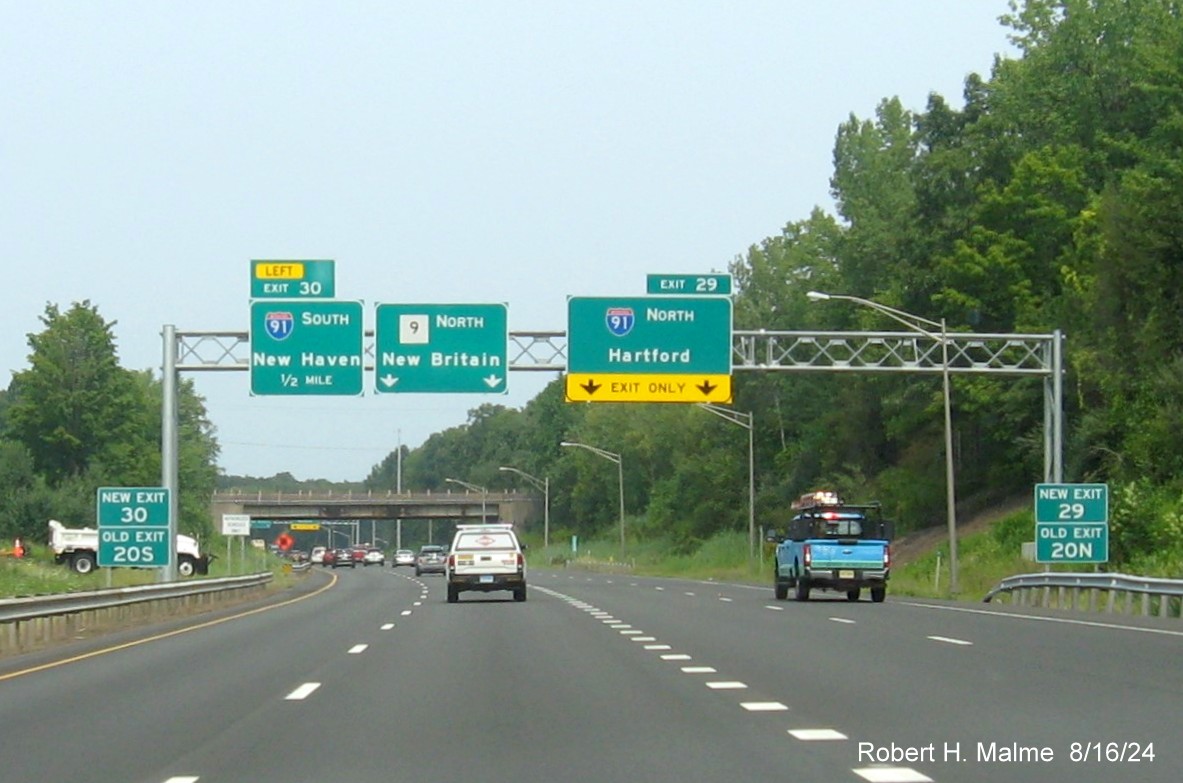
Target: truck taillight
{"points": [[521, 561], [808, 555], [887, 555]]}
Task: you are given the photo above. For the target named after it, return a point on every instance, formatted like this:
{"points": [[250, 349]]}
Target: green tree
{"points": [[75, 407]]}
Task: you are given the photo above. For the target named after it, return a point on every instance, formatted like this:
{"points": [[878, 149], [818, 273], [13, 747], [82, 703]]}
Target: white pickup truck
{"points": [[80, 548]]}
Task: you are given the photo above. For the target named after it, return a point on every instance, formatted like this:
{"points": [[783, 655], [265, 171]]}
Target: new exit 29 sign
{"points": [[1071, 523]]}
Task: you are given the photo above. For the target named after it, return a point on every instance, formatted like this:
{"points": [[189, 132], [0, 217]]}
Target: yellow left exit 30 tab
{"points": [[280, 270]]}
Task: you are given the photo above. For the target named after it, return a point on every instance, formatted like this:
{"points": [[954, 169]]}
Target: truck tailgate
{"points": [[860, 555]]}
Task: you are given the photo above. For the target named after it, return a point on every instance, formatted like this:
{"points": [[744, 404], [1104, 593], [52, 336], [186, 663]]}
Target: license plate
{"points": [[486, 579], [846, 574]]}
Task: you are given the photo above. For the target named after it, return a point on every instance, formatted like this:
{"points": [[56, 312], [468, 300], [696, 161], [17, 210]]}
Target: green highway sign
{"points": [[454, 348], [133, 526], [306, 347], [293, 280], [650, 334], [702, 285], [1072, 523], [1072, 503], [1083, 543]]}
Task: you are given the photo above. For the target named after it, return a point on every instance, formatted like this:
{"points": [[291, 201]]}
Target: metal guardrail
{"points": [[26, 623], [1083, 591]]}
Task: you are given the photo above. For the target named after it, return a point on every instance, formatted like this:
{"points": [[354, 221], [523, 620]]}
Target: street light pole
{"points": [[611, 457], [475, 488], [544, 485], [913, 321], [744, 420]]}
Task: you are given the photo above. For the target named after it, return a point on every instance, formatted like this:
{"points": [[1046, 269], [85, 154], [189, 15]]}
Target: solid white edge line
{"points": [[303, 692], [1065, 620]]}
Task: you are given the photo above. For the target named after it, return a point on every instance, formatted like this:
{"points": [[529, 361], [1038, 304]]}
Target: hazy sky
{"points": [[441, 152]]}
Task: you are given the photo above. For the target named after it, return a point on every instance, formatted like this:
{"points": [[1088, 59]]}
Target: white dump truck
{"points": [[79, 547]]}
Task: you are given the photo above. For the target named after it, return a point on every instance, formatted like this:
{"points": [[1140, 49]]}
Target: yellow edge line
{"points": [[158, 637]]}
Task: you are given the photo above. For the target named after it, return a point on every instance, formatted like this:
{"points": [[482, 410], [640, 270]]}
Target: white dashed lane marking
{"points": [[726, 685], [676, 657], [817, 735], [842, 620], [387, 626], [193, 779], [358, 648], [303, 692], [775, 608], [657, 647], [695, 669], [406, 612], [892, 775], [763, 706], [948, 640]]}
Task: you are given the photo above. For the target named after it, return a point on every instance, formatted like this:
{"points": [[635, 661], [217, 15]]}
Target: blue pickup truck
{"points": [[831, 545]]}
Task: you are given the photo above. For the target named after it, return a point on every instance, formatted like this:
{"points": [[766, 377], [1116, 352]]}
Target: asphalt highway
{"points": [[369, 675]]}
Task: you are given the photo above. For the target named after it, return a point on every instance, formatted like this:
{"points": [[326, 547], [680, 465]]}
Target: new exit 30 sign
{"points": [[133, 526]]}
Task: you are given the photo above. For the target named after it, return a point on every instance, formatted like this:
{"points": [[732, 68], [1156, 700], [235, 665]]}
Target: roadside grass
{"points": [[984, 559], [37, 573]]}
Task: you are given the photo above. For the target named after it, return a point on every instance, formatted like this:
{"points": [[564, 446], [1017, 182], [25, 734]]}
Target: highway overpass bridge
{"points": [[386, 515]]}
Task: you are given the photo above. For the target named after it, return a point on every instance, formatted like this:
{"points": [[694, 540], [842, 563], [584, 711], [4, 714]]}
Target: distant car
{"points": [[374, 556], [318, 555], [432, 559], [404, 557], [342, 558], [358, 554]]}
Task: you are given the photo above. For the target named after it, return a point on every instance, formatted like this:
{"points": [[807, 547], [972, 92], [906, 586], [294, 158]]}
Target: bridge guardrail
{"points": [[26, 623], [1157, 597]]}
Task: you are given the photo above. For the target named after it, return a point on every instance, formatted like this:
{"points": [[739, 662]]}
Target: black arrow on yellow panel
{"points": [[591, 387], [706, 387]]}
